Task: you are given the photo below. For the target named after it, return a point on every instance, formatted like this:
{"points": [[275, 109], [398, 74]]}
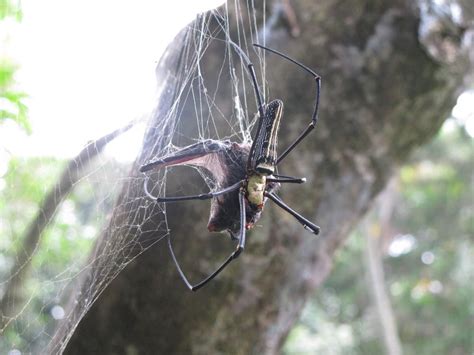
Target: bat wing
{"points": [[208, 154]]}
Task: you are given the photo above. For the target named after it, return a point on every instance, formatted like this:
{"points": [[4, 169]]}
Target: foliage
{"points": [[12, 100], [429, 280], [11, 8], [61, 252], [13, 107]]}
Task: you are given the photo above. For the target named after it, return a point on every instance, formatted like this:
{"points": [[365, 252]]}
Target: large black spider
{"points": [[244, 174]]}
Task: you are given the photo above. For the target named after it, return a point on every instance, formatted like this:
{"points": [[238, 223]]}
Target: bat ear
{"points": [[211, 227]]}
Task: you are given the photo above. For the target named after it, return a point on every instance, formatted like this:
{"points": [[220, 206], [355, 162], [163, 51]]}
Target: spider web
{"points": [[190, 109]]}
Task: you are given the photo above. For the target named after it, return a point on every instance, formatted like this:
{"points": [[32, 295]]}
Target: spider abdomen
{"points": [[264, 156]]}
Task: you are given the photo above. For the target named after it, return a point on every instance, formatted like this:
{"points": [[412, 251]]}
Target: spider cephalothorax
{"points": [[243, 176]]}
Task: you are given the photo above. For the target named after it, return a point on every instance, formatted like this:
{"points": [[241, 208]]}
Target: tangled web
{"points": [[202, 95]]}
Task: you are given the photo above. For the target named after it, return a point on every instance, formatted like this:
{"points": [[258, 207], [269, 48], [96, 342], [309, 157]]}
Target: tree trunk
{"points": [[382, 96]]}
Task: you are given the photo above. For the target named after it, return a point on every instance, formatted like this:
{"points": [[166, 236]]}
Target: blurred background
{"points": [[415, 248], [420, 233]]}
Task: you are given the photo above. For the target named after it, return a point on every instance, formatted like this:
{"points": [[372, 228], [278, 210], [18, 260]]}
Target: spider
{"points": [[245, 175]]}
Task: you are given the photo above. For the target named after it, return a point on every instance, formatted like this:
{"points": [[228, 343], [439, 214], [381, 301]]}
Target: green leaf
{"points": [[11, 8]]}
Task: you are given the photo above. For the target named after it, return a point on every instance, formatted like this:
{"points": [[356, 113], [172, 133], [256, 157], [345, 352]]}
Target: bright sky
{"points": [[88, 67]]}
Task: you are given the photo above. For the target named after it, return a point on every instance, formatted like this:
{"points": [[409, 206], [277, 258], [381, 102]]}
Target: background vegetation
{"points": [[427, 261]]}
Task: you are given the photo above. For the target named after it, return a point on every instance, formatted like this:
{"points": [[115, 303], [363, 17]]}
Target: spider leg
{"points": [[235, 254], [306, 223], [206, 196], [286, 179], [258, 96], [314, 117]]}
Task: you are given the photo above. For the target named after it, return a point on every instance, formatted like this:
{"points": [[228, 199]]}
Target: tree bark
{"points": [[383, 96]]}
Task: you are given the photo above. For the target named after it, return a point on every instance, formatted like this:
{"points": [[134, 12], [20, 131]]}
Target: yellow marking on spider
{"points": [[255, 189]]}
